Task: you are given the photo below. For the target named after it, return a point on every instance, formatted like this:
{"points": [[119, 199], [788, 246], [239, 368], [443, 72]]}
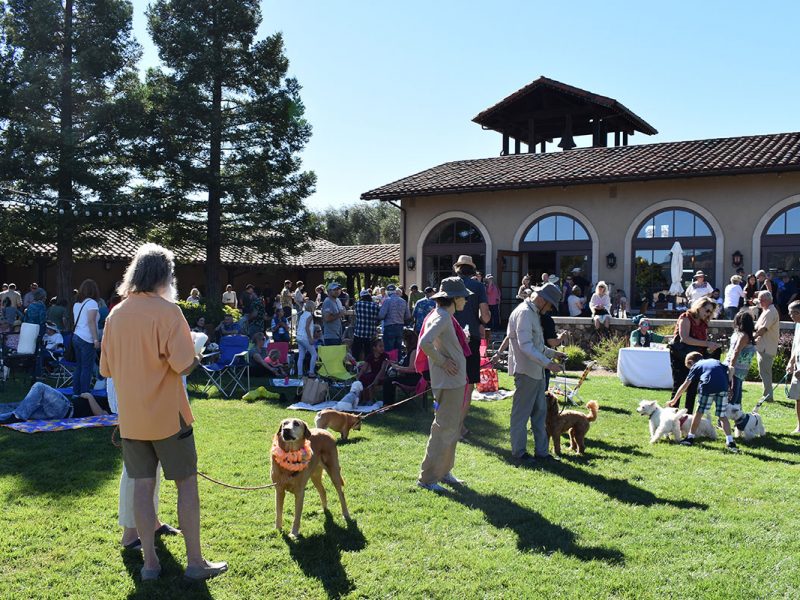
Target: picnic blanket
{"points": [[64, 424], [324, 405], [491, 396]]}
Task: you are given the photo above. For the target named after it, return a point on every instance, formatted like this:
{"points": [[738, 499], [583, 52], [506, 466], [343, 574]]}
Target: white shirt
{"points": [[51, 342], [229, 298], [82, 324], [599, 301], [301, 334], [694, 292], [575, 304], [733, 293]]}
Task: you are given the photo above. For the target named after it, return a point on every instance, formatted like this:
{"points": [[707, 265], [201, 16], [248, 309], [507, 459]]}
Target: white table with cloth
{"points": [[645, 368]]}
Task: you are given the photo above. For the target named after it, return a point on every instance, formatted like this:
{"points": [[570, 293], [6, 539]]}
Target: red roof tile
{"points": [[699, 158]]}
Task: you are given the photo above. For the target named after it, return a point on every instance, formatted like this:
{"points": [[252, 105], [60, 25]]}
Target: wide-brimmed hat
{"points": [[464, 259], [51, 325], [549, 292], [452, 287], [553, 279], [699, 274]]}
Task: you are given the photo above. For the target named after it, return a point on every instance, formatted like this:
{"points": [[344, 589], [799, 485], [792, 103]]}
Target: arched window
{"points": [[445, 243], [652, 257], [780, 243], [557, 244]]}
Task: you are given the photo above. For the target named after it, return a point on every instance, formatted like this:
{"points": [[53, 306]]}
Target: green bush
{"points": [[576, 357], [606, 350], [213, 313], [665, 329]]}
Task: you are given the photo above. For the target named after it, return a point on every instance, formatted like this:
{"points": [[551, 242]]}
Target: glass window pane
{"points": [[778, 226], [793, 220], [564, 228], [447, 235], [664, 225], [684, 224], [533, 234], [647, 229], [547, 229], [463, 231], [700, 228], [580, 232]]}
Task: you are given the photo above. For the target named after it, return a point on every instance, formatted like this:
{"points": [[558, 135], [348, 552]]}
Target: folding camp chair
{"points": [[568, 389], [421, 387], [19, 350], [231, 369], [333, 370], [60, 368]]}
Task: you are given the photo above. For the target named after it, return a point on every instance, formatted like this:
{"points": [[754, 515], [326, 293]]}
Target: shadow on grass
{"points": [[61, 463], [771, 443], [170, 584], [615, 410], [608, 447], [320, 555], [534, 532]]}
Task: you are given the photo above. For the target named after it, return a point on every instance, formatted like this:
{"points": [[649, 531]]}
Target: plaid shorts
{"points": [[720, 401]]}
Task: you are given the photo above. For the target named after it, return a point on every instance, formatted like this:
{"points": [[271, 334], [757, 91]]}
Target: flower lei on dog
{"points": [[292, 460]]}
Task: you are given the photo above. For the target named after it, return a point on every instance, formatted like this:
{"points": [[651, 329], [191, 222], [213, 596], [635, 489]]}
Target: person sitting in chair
{"points": [[373, 370], [403, 371], [45, 403], [274, 364], [642, 336]]}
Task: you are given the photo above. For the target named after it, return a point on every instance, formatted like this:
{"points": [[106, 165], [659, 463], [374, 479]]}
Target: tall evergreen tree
{"points": [[70, 104], [227, 127]]}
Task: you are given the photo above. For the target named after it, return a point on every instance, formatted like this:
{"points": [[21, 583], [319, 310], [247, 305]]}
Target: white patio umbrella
{"points": [[676, 269]]}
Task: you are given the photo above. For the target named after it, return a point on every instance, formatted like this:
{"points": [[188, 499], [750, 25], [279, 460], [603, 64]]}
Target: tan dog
{"points": [[338, 421], [292, 467], [574, 422]]}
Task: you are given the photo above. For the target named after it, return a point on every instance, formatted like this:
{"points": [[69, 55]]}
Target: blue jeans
{"points": [[392, 337], [43, 402], [85, 358], [730, 312]]}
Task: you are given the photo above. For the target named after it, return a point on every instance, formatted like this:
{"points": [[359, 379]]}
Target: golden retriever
{"points": [[293, 475], [338, 421], [572, 421]]}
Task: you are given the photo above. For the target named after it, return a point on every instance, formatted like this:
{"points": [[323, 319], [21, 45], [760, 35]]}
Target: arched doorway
{"points": [[651, 255], [780, 244], [556, 244], [443, 245]]}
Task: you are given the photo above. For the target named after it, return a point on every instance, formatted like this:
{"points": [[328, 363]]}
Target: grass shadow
{"points": [[320, 555], [61, 463], [170, 584], [619, 489], [608, 447], [616, 410], [534, 532]]}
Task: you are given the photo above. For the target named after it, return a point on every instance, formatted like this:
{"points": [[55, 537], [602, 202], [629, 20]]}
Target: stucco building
{"points": [[612, 210]]}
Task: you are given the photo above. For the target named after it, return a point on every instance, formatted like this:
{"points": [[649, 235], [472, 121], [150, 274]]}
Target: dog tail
{"points": [[593, 408]]}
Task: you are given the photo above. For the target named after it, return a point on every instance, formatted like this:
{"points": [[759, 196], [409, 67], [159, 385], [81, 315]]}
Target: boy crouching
{"points": [[713, 387]]}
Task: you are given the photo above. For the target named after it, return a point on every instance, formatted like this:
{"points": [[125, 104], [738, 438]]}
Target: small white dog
{"points": [[663, 421], [351, 399], [672, 421], [746, 425]]}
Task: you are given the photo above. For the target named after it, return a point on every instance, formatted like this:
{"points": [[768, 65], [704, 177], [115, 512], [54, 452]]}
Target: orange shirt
{"points": [[146, 346]]}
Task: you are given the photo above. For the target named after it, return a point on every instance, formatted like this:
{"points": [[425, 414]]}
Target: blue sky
{"points": [[390, 88]]}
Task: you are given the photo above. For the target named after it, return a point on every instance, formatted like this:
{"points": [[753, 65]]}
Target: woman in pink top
{"points": [[493, 298]]}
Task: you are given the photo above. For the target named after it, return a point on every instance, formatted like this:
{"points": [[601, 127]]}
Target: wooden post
{"points": [[616, 138], [531, 137], [624, 138], [516, 146], [505, 144], [543, 147]]}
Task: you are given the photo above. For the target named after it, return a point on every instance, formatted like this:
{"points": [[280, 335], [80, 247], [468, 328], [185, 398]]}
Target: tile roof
{"points": [[698, 158], [118, 245]]}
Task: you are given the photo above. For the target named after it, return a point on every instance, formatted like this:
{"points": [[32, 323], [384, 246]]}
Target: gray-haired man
{"points": [[767, 337], [527, 359]]}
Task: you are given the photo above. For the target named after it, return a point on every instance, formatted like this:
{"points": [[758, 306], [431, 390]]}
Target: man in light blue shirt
{"points": [[394, 313]]}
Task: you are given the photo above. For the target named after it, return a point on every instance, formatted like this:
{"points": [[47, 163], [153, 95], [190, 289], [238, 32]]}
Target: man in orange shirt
{"points": [[147, 349]]}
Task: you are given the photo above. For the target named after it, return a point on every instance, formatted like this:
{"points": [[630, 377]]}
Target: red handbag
{"points": [[488, 381]]}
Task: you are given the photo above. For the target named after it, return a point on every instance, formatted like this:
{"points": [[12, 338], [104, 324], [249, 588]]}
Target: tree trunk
{"points": [[64, 231], [214, 245]]}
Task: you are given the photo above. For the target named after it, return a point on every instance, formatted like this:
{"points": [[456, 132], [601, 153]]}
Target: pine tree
{"points": [[70, 110], [227, 127]]}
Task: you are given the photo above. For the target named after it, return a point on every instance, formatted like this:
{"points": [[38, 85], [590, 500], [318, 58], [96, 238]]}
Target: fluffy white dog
{"points": [[350, 400], [704, 429], [746, 425], [663, 421]]}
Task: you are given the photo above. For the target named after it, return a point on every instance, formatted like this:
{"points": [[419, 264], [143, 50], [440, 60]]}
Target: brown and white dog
{"points": [[572, 421], [338, 421], [300, 454]]}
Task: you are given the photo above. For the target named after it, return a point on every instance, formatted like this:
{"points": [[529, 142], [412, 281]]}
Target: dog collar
{"points": [[742, 421], [292, 460]]}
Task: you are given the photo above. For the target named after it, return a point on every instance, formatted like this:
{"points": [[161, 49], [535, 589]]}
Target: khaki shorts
{"points": [[177, 454]]}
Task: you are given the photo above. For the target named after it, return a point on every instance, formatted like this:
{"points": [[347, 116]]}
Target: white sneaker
{"points": [[451, 479], [433, 487]]}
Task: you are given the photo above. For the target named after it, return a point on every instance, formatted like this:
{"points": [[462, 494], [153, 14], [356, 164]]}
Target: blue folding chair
{"points": [[62, 369], [229, 372]]}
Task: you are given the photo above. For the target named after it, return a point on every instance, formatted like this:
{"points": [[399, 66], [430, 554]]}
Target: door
{"points": [[509, 276], [567, 261]]}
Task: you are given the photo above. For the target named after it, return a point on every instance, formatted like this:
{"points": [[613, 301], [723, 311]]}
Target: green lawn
{"points": [[629, 520]]}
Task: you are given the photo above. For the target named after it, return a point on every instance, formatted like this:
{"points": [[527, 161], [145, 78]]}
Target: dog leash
{"points": [[772, 393], [203, 475], [393, 406]]}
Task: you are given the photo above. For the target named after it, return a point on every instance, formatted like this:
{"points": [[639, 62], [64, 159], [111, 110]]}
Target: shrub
{"points": [[664, 329], [213, 313], [576, 357], [606, 350]]}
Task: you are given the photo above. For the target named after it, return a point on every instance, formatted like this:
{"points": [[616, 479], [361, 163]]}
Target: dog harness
{"points": [[742, 421], [292, 460]]}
